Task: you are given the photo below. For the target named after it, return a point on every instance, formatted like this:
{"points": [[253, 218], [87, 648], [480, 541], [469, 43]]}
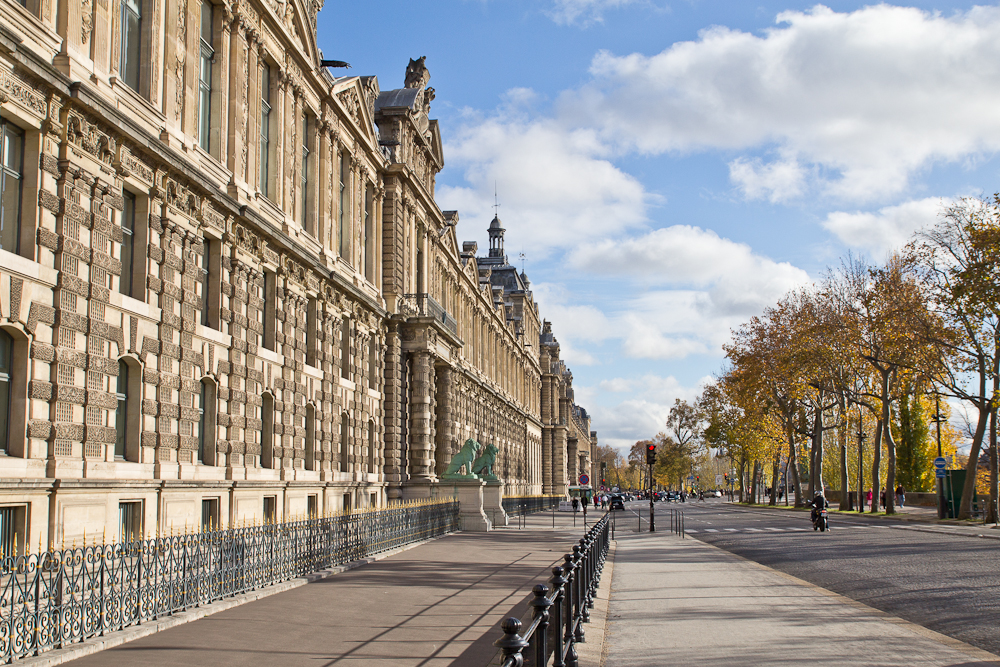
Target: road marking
{"points": [[729, 530], [711, 530], [754, 530], [777, 530]]}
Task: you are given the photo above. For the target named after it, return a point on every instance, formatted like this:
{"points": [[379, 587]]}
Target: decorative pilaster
{"points": [[421, 462]]}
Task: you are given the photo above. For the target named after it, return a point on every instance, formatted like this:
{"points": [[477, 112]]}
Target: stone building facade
{"points": [[226, 292]]}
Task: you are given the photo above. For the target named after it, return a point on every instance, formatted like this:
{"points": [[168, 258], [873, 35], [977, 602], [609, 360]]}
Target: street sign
{"points": [[940, 473], [584, 479], [718, 480], [690, 478], [940, 463]]}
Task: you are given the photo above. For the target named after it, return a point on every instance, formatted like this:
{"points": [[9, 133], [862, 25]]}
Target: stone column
{"points": [[572, 460], [393, 409], [420, 417], [445, 444]]}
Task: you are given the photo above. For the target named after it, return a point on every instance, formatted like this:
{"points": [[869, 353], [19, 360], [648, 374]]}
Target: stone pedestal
{"points": [[470, 499], [493, 503]]}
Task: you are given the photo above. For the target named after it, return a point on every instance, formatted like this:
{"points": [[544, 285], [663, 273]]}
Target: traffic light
{"points": [[650, 454]]}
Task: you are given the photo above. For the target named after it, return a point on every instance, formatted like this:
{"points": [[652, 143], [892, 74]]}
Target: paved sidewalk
{"points": [[683, 602], [436, 604]]}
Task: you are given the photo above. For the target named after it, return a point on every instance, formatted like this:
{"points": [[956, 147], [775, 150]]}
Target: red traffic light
{"points": [[650, 454]]}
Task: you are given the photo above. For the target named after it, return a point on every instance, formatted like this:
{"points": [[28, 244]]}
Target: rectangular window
{"points": [[270, 509], [265, 130], [345, 349], [267, 431], [312, 506], [342, 212], [130, 521], [6, 366], [13, 521], [373, 502], [210, 514], [367, 241], [270, 307], [131, 27], [11, 171], [311, 339], [211, 286], [205, 78], [121, 415], [202, 426], [347, 502], [128, 243], [304, 202]]}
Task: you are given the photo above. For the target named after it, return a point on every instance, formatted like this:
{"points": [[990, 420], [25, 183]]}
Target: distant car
{"points": [[617, 503]]}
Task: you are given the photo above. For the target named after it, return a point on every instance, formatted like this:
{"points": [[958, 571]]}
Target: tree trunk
{"points": [[861, 463], [890, 447], [774, 479], [793, 461], [816, 453], [971, 468], [845, 488], [876, 463], [741, 480], [753, 482]]}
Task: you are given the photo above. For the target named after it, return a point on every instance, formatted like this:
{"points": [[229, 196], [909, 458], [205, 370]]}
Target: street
{"points": [[947, 583]]}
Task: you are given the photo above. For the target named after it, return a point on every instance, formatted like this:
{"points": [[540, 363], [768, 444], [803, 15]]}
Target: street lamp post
{"points": [[861, 460], [652, 513], [942, 509]]}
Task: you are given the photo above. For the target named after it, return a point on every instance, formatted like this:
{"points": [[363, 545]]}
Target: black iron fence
{"points": [[529, 504], [558, 614], [55, 598]]}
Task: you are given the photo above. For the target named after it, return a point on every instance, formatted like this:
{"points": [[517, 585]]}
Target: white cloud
{"points": [[583, 12], [887, 229], [641, 417], [556, 187], [737, 281], [776, 181], [853, 103]]}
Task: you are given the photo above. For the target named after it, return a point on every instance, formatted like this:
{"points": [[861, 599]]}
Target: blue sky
{"points": [[670, 169]]}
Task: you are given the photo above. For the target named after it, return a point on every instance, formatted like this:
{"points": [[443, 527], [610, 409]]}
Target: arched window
{"points": [[207, 433], [6, 358], [267, 431], [345, 445], [311, 437]]}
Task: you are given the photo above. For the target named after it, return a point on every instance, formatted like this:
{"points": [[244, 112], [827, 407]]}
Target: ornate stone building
{"points": [[226, 292]]}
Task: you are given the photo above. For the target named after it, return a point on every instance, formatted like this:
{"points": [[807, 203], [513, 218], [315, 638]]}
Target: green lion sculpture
{"points": [[483, 466], [465, 457]]}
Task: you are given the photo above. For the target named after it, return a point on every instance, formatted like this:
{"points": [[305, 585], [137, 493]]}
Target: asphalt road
{"points": [[948, 583]]}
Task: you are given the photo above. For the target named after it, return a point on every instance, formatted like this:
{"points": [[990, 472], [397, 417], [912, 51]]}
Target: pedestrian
{"points": [[868, 498], [900, 495], [576, 504], [881, 498]]}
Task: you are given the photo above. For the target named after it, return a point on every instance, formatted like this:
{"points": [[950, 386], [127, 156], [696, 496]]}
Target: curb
{"points": [[591, 652], [119, 637]]}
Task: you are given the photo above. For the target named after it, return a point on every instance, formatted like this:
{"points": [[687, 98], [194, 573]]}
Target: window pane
{"points": [[6, 343], [128, 237], [130, 30], [121, 415], [10, 186]]}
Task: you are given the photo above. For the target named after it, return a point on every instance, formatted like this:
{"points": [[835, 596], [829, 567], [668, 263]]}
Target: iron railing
{"points": [[56, 598], [557, 620], [424, 305], [529, 504]]}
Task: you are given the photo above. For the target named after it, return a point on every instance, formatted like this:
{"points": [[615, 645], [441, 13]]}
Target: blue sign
{"points": [[940, 462], [940, 473], [584, 480]]}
